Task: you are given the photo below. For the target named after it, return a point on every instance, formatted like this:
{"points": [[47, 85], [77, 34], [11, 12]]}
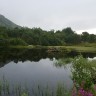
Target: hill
{"points": [[6, 22]]}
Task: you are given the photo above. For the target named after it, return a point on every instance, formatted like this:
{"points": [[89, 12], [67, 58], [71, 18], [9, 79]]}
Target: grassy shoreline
{"points": [[76, 48]]}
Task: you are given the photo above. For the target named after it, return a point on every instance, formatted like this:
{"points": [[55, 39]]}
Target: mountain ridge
{"points": [[7, 23]]}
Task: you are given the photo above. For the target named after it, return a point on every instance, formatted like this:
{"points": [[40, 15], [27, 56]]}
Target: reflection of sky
{"points": [[42, 72], [51, 14], [92, 58]]}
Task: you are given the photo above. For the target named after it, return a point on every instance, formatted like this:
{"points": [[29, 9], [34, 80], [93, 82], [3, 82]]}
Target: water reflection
{"points": [[33, 66], [37, 66], [42, 72], [12, 54], [63, 62]]}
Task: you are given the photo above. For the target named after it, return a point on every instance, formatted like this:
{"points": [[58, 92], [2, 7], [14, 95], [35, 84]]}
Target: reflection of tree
{"points": [[4, 63], [17, 54], [20, 54], [84, 70], [62, 62]]}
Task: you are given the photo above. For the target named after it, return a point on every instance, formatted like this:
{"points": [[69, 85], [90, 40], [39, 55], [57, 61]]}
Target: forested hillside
{"points": [[37, 36], [7, 23]]}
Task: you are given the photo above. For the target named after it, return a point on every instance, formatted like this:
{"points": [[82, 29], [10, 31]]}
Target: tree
{"points": [[17, 41], [92, 38], [68, 31], [85, 36]]}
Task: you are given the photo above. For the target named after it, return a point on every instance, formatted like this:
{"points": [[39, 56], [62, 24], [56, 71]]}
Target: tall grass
{"points": [[17, 90]]}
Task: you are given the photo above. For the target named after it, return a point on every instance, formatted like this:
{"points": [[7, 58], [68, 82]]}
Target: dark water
{"points": [[35, 67]]}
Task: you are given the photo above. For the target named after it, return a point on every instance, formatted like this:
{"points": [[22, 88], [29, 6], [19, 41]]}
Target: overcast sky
{"points": [[52, 14]]}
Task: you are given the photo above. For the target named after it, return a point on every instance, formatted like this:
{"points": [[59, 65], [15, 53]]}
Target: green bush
{"points": [[84, 70], [17, 41]]}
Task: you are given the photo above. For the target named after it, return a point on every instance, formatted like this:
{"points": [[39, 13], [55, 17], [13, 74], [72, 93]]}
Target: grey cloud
{"points": [[51, 14]]}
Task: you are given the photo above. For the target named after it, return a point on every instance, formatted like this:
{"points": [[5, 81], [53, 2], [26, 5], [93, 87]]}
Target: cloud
{"points": [[51, 14], [91, 31]]}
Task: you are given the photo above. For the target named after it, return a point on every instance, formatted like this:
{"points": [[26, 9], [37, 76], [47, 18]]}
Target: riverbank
{"points": [[78, 48]]}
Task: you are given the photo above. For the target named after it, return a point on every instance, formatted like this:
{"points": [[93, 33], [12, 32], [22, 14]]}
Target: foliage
{"points": [[24, 94], [61, 91], [63, 62], [37, 36], [17, 41], [84, 75]]}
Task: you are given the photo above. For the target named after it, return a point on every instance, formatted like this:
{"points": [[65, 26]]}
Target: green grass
{"points": [[83, 48], [91, 49], [18, 90], [21, 47]]}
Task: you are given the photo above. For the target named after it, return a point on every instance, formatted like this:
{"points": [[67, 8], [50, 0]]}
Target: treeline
{"points": [[37, 36]]}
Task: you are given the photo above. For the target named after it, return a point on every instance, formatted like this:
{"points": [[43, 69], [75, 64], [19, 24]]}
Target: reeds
{"points": [[6, 89]]}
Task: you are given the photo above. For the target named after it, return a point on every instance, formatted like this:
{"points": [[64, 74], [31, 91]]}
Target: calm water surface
{"points": [[34, 67], [43, 72]]}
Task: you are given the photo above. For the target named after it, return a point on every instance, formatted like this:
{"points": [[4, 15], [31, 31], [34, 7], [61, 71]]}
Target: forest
{"points": [[37, 36]]}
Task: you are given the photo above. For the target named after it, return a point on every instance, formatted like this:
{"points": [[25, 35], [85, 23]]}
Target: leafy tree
{"points": [[17, 41], [68, 31], [37, 36], [92, 38], [85, 36]]}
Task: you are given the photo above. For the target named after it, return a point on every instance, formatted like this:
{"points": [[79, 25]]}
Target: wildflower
{"points": [[82, 92]]}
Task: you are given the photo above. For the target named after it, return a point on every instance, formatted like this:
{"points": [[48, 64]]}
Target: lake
{"points": [[33, 67]]}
